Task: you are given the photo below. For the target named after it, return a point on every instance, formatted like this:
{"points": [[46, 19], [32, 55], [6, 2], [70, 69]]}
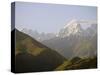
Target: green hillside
{"points": [[86, 63], [32, 56]]}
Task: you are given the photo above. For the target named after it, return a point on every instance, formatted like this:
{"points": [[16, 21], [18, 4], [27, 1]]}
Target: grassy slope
{"points": [[78, 63], [33, 56]]}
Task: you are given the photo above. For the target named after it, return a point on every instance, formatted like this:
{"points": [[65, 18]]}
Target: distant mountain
{"points": [[38, 36], [32, 56], [79, 28], [72, 28], [73, 40]]}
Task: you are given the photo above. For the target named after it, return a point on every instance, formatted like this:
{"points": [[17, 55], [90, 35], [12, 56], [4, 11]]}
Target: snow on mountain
{"points": [[75, 27]]}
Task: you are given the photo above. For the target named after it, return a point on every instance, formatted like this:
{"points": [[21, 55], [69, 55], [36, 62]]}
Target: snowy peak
{"points": [[73, 27], [70, 23]]}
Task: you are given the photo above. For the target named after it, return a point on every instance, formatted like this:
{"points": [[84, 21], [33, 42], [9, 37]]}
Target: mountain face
{"points": [[73, 40], [38, 36], [32, 56], [73, 27]]}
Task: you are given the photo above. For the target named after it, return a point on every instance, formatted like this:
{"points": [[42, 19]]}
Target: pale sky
{"points": [[50, 17]]}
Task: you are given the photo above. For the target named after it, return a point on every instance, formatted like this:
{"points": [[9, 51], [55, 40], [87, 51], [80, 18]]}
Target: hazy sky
{"points": [[50, 17]]}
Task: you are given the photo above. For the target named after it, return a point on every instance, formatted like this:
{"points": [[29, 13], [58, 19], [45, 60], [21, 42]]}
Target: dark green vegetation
{"points": [[32, 56]]}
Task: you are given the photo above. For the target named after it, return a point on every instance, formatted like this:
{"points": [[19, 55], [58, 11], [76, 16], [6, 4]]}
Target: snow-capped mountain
{"points": [[75, 40], [72, 28], [76, 27]]}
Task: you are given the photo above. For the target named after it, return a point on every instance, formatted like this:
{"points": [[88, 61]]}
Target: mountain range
{"points": [[71, 40]]}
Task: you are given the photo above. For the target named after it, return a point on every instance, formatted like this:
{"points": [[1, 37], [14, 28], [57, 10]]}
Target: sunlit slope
{"points": [[78, 63]]}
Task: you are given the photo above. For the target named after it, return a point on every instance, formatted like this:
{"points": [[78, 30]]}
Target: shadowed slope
{"points": [[32, 56]]}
